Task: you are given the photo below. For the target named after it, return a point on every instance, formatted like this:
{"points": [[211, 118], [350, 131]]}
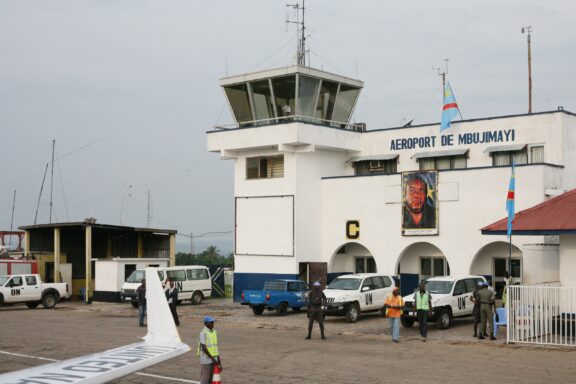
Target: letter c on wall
{"points": [[353, 229]]}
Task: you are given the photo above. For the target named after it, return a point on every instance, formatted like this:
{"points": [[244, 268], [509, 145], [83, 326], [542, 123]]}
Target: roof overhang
{"points": [[356, 159], [450, 152], [505, 148]]}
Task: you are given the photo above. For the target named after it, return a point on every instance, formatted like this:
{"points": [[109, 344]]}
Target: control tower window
{"points": [[344, 103], [238, 97], [284, 95], [262, 98], [326, 99], [307, 91], [264, 167]]}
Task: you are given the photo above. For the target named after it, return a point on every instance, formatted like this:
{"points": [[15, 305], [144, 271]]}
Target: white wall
{"points": [[568, 260], [469, 199]]}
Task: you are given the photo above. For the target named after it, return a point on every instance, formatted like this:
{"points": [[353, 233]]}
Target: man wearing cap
{"points": [[394, 305], [487, 310], [208, 351], [316, 301]]}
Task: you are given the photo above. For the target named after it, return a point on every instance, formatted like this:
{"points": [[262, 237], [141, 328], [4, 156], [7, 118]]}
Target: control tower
{"points": [[292, 127]]}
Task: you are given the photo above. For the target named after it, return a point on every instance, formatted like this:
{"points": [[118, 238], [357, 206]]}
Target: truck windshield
{"points": [[3, 280], [136, 276], [442, 287], [345, 284], [274, 286]]}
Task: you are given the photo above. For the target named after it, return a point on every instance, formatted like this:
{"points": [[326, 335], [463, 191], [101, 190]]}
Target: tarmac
{"points": [[271, 348]]}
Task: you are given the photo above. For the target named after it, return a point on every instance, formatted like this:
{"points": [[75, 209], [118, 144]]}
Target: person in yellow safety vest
{"points": [[423, 303], [208, 351], [394, 305]]}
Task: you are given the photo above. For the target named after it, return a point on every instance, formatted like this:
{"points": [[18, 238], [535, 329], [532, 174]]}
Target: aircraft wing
{"points": [[160, 344]]}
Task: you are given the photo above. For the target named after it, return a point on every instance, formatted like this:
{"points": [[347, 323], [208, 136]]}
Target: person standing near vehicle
{"points": [[208, 351], [141, 294], [476, 309], [394, 305], [172, 297], [487, 310], [316, 302], [423, 304]]}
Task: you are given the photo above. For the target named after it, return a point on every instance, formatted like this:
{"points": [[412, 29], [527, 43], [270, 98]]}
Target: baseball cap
{"points": [[208, 319], [316, 284]]}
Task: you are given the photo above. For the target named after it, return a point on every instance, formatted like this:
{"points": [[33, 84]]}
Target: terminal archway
{"points": [[492, 261], [351, 258], [418, 262]]}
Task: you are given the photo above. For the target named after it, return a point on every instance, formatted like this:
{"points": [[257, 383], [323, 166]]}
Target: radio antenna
{"points": [[443, 73], [301, 48], [528, 32]]}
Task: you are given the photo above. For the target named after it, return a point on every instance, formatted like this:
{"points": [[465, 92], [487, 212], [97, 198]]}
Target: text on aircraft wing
{"points": [[161, 343]]}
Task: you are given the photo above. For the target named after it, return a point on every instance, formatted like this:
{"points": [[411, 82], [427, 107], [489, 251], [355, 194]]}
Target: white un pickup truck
{"points": [[30, 290]]}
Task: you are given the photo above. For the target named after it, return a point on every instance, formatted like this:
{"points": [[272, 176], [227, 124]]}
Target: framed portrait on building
{"points": [[419, 203]]}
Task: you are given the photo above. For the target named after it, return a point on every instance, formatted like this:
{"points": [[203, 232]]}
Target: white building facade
{"points": [[317, 197]]}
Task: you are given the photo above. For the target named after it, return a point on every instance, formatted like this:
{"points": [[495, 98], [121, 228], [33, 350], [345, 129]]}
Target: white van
{"points": [[193, 283]]}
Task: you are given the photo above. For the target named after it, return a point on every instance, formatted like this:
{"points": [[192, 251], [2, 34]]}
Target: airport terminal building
{"points": [[317, 196]]}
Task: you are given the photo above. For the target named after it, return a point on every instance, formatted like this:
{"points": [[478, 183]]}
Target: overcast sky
{"points": [[129, 88]]}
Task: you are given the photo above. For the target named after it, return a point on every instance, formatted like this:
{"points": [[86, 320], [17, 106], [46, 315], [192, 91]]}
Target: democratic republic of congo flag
{"points": [[510, 201], [450, 109]]}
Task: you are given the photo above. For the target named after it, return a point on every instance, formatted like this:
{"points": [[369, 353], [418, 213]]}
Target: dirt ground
{"points": [[269, 348]]}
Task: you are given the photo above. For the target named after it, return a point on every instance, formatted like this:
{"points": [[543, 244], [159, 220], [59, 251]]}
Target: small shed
{"points": [[112, 273], [81, 244]]}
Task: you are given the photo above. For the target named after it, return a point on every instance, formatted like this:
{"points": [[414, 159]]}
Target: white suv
{"points": [[450, 299], [349, 295]]}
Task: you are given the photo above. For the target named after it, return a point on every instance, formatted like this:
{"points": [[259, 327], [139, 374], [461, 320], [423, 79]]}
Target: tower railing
{"points": [[358, 127]]}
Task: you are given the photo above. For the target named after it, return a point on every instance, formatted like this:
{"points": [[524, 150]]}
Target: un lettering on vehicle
{"points": [[368, 298], [462, 303], [15, 291]]}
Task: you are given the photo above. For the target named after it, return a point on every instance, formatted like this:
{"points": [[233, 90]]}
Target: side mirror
{"points": [[458, 293], [366, 288]]}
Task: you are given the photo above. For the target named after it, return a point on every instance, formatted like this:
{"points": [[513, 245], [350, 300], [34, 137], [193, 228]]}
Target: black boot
{"points": [[323, 337], [308, 337], [481, 336], [492, 337]]}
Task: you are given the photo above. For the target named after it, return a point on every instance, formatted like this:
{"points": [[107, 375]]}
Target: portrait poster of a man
{"points": [[419, 203]]}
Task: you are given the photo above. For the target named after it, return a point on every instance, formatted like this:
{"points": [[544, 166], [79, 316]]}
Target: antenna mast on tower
{"points": [[443, 74], [528, 32], [301, 48]]}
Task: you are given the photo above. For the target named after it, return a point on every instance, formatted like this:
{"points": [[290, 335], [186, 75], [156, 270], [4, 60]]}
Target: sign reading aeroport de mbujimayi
{"points": [[501, 136]]}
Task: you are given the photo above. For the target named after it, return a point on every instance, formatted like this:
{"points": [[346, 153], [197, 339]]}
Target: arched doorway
{"points": [[418, 262], [492, 261], [351, 258]]}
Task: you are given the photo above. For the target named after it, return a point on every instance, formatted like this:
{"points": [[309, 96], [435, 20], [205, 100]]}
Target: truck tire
{"points": [[444, 318], [352, 313], [196, 298], [282, 308], [49, 300], [1, 299], [297, 309], [407, 322], [32, 304], [257, 310]]}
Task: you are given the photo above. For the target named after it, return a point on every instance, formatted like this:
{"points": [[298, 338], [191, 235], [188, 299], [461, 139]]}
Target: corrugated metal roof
{"points": [[94, 225], [355, 159], [552, 217], [505, 148], [450, 152]]}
